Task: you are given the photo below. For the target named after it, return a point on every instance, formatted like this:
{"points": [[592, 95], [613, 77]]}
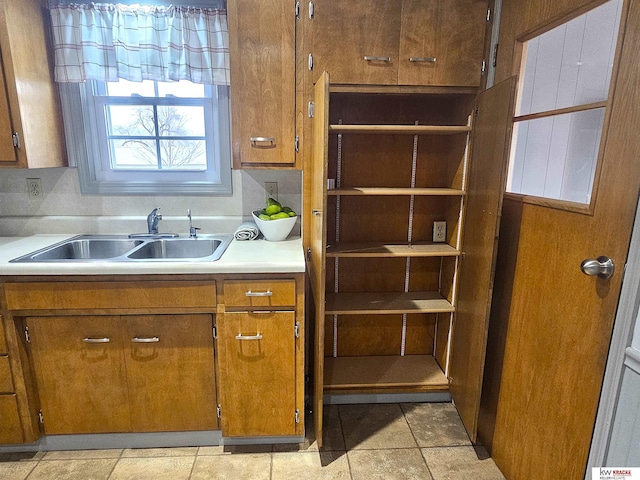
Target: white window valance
{"points": [[107, 42]]}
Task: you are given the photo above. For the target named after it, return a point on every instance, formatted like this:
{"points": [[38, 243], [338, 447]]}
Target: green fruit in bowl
{"points": [[272, 209], [264, 216]]}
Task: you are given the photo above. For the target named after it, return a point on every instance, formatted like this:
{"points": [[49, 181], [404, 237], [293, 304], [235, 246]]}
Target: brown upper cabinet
{"points": [[31, 132], [413, 42], [262, 61]]}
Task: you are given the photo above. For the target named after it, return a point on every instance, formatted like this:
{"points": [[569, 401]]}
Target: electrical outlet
{"points": [[34, 186], [272, 189], [439, 232]]}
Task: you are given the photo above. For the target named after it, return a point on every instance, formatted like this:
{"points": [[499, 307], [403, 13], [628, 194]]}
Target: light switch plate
{"points": [[272, 190], [439, 232]]}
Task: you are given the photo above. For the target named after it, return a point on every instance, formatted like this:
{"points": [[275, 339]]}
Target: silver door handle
{"points": [[603, 267], [255, 140], [422, 59], [96, 340], [258, 336], [267, 293], [145, 339], [374, 58]]}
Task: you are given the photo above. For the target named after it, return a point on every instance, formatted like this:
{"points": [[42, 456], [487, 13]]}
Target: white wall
{"points": [[63, 209]]}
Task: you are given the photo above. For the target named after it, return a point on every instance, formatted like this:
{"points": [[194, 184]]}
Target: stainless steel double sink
{"points": [[121, 248]]}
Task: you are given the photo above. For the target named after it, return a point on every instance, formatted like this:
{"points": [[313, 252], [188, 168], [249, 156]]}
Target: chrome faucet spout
{"points": [[152, 221], [192, 230]]}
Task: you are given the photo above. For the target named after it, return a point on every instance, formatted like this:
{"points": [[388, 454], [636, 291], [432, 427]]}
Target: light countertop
{"points": [[255, 256]]}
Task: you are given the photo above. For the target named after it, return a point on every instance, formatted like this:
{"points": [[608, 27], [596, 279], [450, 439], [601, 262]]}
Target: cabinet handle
{"points": [[257, 336], [145, 339], [373, 58], [268, 293], [96, 340], [316, 213], [256, 140], [423, 59]]}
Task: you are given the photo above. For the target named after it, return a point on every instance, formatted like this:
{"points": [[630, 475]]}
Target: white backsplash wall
{"points": [[63, 209]]}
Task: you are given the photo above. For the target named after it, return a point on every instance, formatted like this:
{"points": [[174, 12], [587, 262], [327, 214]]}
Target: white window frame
{"points": [[88, 149]]}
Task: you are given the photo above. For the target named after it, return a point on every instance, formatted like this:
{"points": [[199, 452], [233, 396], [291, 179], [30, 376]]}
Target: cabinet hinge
{"points": [[296, 330], [27, 337], [296, 143], [297, 416], [484, 66], [40, 417], [215, 332], [310, 109], [308, 254], [475, 113], [488, 14], [311, 10], [495, 55], [297, 9], [16, 139], [310, 61], [219, 411], [462, 254]]}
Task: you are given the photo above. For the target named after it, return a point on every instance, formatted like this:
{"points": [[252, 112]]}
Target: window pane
{"points": [[133, 154], [555, 157], [183, 88], [181, 121], [136, 120], [571, 64], [125, 88], [183, 154]]}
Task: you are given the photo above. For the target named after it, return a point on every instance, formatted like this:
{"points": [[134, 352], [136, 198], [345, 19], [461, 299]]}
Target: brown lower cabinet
{"points": [[257, 373], [10, 428], [141, 373]]}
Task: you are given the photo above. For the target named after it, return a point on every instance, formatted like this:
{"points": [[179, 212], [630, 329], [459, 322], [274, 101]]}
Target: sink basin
{"points": [[178, 248], [120, 248], [87, 249]]}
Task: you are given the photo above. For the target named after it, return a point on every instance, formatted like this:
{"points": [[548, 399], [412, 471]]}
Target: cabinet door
{"points": [[256, 360], [262, 61], [487, 175], [318, 240], [7, 150], [442, 42], [169, 362], [10, 428], [80, 373], [357, 41]]}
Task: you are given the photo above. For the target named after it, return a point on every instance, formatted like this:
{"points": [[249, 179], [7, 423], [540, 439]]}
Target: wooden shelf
{"points": [[385, 303], [387, 250], [452, 192], [401, 129], [411, 372]]}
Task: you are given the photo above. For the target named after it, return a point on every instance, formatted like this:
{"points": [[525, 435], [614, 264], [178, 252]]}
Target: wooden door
{"points": [[442, 42], [487, 172], [559, 319], [10, 426], [318, 261], [80, 372], [170, 370], [357, 41], [262, 62], [256, 361]]}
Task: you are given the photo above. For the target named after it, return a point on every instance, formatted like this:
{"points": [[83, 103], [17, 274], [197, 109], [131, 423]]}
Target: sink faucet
{"points": [[152, 221], [192, 229]]}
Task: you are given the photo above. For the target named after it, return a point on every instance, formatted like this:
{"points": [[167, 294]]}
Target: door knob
{"points": [[603, 267]]}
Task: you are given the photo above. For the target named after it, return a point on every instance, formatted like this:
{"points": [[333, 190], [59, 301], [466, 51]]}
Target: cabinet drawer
{"points": [[264, 293], [110, 295], [10, 428], [6, 384]]}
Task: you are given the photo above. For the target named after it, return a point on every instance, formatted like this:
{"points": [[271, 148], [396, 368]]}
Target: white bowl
{"points": [[275, 230]]}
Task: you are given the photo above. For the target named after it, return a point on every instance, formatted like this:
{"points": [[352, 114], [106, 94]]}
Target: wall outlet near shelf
{"points": [[439, 232], [34, 186], [272, 190]]}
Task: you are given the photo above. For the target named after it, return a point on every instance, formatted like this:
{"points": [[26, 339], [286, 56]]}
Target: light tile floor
{"points": [[423, 441]]}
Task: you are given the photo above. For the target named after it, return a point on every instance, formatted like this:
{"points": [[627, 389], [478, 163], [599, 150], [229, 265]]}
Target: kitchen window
{"points": [[145, 97]]}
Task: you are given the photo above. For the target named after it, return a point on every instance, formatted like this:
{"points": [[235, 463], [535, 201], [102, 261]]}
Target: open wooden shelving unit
{"points": [[396, 162]]}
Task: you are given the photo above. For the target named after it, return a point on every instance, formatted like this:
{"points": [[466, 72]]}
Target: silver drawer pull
{"points": [[145, 339], [373, 58], [423, 59], [96, 340], [257, 336], [255, 140], [268, 293]]}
